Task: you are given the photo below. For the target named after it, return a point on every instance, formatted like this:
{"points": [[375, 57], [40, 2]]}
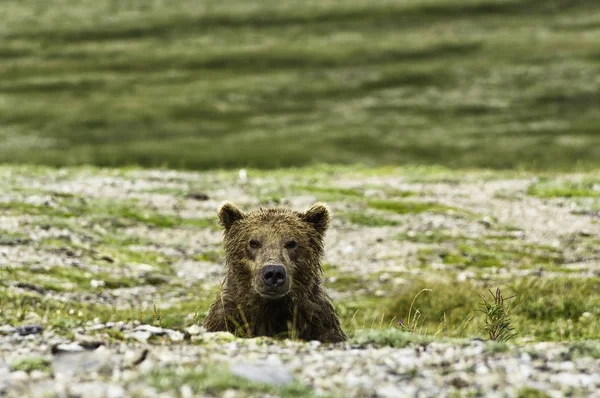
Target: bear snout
{"points": [[274, 275]]}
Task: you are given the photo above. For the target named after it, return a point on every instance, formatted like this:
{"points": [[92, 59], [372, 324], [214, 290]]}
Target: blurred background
{"points": [[275, 83]]}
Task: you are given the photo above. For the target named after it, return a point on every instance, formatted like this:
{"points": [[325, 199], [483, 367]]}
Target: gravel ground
{"points": [[65, 219], [79, 367]]}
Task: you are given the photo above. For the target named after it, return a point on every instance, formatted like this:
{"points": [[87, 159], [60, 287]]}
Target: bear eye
{"points": [[254, 244], [291, 244]]}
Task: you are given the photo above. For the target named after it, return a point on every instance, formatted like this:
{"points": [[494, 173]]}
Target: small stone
{"points": [[30, 286], [71, 347], [151, 329], [141, 336], [68, 364], [95, 283], [262, 372], [176, 336], [87, 342], [114, 391], [197, 196], [186, 391], [390, 391], [459, 381], [195, 330], [19, 375], [134, 358]]}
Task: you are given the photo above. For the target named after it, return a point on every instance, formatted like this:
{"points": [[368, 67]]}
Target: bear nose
{"points": [[273, 275]]}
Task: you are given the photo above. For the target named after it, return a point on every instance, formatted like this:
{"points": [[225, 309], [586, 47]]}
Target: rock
{"points": [[62, 348], [195, 330], [460, 381], [197, 196], [7, 330], [30, 286], [69, 364], [26, 330], [95, 283], [390, 391], [141, 336], [88, 342], [186, 391], [176, 336], [263, 373], [134, 358], [151, 329]]}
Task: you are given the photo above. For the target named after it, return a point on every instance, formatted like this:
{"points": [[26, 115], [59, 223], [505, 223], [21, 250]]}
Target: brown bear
{"points": [[272, 285]]}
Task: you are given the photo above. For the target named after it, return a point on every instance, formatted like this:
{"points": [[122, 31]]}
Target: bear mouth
{"points": [[273, 294]]}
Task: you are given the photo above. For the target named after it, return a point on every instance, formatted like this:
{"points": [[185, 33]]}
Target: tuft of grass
{"points": [[497, 319], [412, 207], [549, 188], [414, 323], [368, 220], [485, 252], [530, 392]]}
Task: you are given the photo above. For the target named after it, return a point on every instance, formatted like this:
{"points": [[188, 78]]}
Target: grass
{"points": [[560, 308], [477, 83], [546, 188], [368, 220], [406, 207]]}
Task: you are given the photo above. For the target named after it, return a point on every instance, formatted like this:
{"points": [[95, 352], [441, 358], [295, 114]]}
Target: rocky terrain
{"points": [[106, 274]]}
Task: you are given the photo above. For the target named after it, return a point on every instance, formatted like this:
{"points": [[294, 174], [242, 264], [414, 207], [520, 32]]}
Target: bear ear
{"points": [[318, 216], [228, 214]]}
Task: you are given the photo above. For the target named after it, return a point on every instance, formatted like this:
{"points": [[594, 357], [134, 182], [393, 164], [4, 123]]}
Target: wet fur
{"points": [[306, 312]]}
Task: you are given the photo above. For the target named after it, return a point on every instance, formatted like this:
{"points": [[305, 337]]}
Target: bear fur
{"points": [[299, 308]]}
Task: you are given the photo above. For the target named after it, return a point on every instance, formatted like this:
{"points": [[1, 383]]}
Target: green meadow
{"points": [[185, 84]]}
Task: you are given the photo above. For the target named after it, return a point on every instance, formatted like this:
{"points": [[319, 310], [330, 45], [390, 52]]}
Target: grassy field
{"points": [[188, 84], [80, 244]]}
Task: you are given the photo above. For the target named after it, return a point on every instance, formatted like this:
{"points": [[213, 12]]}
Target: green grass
{"points": [[560, 308], [546, 188], [460, 83], [407, 207], [368, 220]]}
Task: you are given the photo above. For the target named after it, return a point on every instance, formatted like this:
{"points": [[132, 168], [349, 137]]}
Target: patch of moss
{"points": [[412, 207], [216, 379], [212, 256], [530, 392], [584, 348], [62, 316], [547, 188], [30, 364], [368, 220], [13, 238], [330, 192], [485, 252]]}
